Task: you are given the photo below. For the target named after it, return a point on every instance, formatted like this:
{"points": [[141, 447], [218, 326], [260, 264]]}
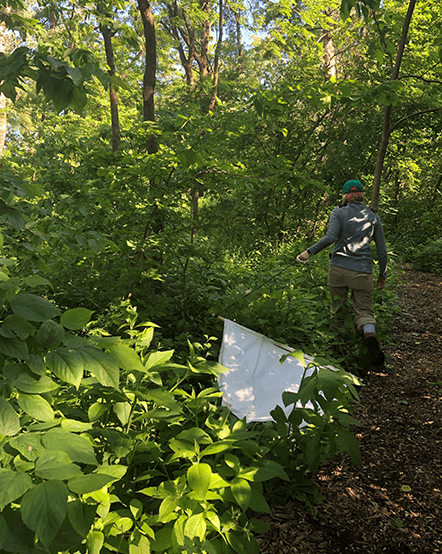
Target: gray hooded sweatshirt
{"points": [[351, 228]]}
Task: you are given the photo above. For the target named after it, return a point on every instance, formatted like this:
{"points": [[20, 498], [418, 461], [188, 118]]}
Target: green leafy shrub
{"points": [[429, 257], [86, 422], [317, 428], [108, 445]]}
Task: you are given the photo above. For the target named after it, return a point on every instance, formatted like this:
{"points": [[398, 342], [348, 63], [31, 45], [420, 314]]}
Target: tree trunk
{"points": [[196, 41], [202, 57], [3, 123], [3, 99], [329, 55], [113, 95], [239, 40], [178, 34], [149, 79], [386, 129], [216, 60]]}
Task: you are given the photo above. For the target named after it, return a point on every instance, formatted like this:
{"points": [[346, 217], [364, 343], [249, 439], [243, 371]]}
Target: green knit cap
{"points": [[352, 186]]}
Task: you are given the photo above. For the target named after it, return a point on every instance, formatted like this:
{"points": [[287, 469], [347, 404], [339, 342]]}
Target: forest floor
{"points": [[392, 503]]}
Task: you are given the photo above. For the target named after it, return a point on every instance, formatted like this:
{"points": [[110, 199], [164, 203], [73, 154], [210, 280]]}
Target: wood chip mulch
{"points": [[392, 504]]}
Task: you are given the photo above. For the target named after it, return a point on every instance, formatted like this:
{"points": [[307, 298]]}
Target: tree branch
{"points": [[402, 119]]}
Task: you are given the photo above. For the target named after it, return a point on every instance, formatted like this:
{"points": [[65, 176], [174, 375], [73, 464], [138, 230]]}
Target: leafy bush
{"points": [[108, 445], [429, 257], [88, 422]]}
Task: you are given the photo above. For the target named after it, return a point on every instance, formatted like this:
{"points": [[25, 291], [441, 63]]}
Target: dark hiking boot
{"points": [[374, 350]]}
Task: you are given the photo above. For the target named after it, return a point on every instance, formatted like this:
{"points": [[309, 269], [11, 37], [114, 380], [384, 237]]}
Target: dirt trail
{"points": [[391, 504]]}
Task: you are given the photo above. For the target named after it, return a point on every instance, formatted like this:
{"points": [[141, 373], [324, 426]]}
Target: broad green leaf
{"points": [[76, 75], [218, 482], [194, 434], [97, 410], [127, 358], [116, 471], [242, 492], [297, 354], [56, 465], [270, 470], [37, 281], [50, 334], [85, 484], [66, 540], [78, 100], [101, 365], [95, 541], [43, 509], [14, 348], [136, 508], [29, 445], [74, 426], [163, 540], [35, 406], [178, 532], [12, 485], [258, 526], [33, 308], [139, 543], [66, 364], [78, 448], [162, 397], [258, 503], [81, 516], [9, 420], [15, 326], [36, 364], [347, 442], [76, 318], [157, 358], [18, 537], [215, 448], [183, 449], [214, 519], [236, 541], [198, 477], [166, 512], [195, 526], [26, 383], [122, 410]]}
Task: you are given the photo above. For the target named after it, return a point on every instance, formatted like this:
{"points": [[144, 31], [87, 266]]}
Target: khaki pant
{"points": [[361, 286]]}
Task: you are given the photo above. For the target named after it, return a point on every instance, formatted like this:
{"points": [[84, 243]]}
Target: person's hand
{"points": [[303, 258], [380, 283]]}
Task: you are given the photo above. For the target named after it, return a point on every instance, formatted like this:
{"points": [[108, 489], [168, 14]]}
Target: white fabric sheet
{"points": [[253, 385]]}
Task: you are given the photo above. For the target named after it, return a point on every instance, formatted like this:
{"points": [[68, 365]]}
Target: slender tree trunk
{"points": [[3, 99], [239, 40], [386, 129], [216, 60], [3, 122], [149, 79], [113, 95], [437, 188], [177, 34]]}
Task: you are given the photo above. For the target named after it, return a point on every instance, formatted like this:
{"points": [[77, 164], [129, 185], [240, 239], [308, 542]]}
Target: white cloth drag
{"points": [[253, 385]]}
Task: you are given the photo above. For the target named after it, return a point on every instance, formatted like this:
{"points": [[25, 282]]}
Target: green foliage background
{"points": [[115, 264]]}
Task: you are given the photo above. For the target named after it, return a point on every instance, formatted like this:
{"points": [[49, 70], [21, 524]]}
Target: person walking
{"points": [[352, 227]]}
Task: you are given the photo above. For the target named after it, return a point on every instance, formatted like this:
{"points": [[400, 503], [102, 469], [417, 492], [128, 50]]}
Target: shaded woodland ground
{"points": [[391, 504]]}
